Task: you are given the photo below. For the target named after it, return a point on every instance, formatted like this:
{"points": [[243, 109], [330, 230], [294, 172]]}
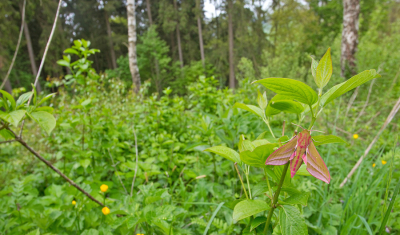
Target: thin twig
{"points": [[17, 48], [137, 161], [365, 105], [43, 59], [115, 167], [351, 101], [71, 182], [395, 109], [7, 141]]}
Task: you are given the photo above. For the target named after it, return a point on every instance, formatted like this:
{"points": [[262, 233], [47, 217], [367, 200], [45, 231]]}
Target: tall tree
{"points": [[351, 12], [199, 13], [230, 36], [132, 45], [110, 41], [178, 35]]}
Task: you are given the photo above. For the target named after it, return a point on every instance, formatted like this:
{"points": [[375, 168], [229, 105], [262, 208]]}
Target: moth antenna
{"points": [[298, 126]]}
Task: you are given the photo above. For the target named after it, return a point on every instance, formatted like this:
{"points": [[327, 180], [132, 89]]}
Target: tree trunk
{"points": [[110, 42], [149, 12], [351, 12], [200, 32], [31, 55], [132, 45], [7, 86], [178, 35], [231, 58]]}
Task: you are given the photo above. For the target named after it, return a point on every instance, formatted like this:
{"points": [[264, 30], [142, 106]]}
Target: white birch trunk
{"points": [[351, 12], [132, 45]]}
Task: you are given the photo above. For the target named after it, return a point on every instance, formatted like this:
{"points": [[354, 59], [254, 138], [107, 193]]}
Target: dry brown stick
{"points": [[17, 48], [71, 182], [395, 109], [365, 105]]}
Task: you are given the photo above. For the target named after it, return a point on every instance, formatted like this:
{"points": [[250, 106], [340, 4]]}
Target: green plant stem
{"points": [[276, 196], [248, 183], [389, 209], [244, 189], [269, 127]]}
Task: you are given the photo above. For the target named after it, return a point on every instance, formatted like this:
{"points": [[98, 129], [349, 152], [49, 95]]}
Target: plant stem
{"points": [[276, 196], [244, 189], [269, 127], [248, 183], [389, 209]]}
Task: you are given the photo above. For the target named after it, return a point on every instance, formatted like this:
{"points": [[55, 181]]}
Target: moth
{"points": [[298, 150]]}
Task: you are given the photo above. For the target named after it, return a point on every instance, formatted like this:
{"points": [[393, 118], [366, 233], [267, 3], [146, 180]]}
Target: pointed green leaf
{"points": [[45, 120], [327, 139], [23, 99], [7, 96], [257, 222], [248, 208], [303, 171], [288, 106], [6, 134], [270, 111], [258, 156], [314, 65], [350, 84], [292, 88], [225, 152], [251, 108], [300, 198], [262, 100], [324, 70], [63, 63], [46, 98], [13, 117], [71, 51], [291, 221], [245, 144]]}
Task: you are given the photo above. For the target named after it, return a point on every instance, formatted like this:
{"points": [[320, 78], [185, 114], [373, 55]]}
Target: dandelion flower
{"points": [[105, 210], [373, 165], [384, 162], [104, 188], [355, 136], [74, 202]]}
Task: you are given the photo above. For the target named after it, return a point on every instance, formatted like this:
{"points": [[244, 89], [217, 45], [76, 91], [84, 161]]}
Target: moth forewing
{"points": [[316, 166]]}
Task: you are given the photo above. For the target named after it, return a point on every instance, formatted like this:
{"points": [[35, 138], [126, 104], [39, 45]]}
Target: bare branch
{"points": [[395, 109], [365, 105], [43, 59], [137, 160], [17, 48], [71, 182], [7, 141], [115, 167]]}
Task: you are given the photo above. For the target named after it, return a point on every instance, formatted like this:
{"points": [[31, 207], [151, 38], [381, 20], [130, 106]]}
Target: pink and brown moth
{"points": [[301, 148]]}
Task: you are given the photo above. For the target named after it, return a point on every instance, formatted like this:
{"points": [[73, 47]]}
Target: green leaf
{"points": [[7, 96], [270, 111], [46, 109], [248, 208], [245, 144], [46, 98], [288, 106], [324, 70], [84, 163], [7, 135], [45, 120], [350, 84], [225, 152], [314, 65], [63, 63], [295, 199], [303, 171], [258, 156], [262, 100], [292, 88], [23, 99], [327, 139], [291, 221], [13, 117], [257, 222], [251, 108], [71, 51], [257, 143]]}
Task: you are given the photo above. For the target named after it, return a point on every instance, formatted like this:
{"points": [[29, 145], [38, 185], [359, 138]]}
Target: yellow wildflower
{"points": [[105, 210], [74, 202], [103, 188], [355, 136], [384, 162], [373, 165]]}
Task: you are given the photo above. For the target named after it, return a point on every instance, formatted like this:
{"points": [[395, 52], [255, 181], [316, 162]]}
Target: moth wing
{"points": [[282, 154], [316, 166]]}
